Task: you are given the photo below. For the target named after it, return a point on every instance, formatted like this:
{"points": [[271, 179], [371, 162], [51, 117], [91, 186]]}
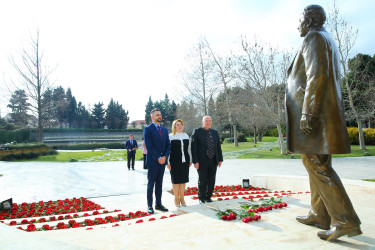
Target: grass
{"points": [[267, 149], [372, 180], [89, 156]]}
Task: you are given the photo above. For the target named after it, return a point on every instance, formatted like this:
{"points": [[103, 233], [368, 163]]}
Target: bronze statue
{"points": [[316, 126]]}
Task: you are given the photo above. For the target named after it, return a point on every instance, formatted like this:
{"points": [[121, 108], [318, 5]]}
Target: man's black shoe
{"points": [[201, 201], [161, 208], [150, 210], [128, 168], [209, 200], [133, 168]]}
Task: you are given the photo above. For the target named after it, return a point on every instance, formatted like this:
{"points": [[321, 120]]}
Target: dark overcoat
{"points": [[199, 145], [314, 89]]}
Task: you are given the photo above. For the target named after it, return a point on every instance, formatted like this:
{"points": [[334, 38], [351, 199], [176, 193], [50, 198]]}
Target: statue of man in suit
{"points": [[316, 126]]}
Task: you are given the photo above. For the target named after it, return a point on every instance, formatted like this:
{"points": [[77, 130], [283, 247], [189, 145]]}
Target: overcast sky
{"points": [[130, 50]]}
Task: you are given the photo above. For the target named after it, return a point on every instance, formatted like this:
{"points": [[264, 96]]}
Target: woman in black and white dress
{"points": [[179, 161]]}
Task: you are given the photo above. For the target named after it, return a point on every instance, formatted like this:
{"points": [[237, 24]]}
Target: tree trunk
{"points": [[255, 135], [281, 140], [235, 135], [361, 136], [369, 123], [260, 135]]}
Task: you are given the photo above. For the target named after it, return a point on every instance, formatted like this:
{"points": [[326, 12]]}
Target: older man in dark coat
{"points": [[316, 126]]}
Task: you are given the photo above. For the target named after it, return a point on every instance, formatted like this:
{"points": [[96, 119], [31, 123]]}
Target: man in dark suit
{"points": [[131, 147], [207, 155], [316, 126], [158, 148]]}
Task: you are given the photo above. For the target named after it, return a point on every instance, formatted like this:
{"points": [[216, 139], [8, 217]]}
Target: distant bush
{"points": [[240, 136], [79, 130], [273, 132], [368, 133], [89, 146], [24, 152], [18, 135]]}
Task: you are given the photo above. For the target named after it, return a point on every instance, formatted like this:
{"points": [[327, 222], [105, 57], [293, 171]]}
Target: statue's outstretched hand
{"points": [[304, 124]]}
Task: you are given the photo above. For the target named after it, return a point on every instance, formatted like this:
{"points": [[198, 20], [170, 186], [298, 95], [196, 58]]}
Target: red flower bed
{"points": [[220, 189], [96, 221], [42, 208]]}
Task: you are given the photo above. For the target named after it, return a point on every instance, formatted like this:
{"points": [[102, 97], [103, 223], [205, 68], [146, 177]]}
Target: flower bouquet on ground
{"points": [[248, 211]]}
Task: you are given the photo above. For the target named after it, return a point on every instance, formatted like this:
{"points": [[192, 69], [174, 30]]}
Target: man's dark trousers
{"points": [[131, 157], [155, 177], [207, 177]]}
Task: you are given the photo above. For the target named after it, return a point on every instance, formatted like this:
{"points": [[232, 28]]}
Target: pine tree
{"points": [[71, 109], [19, 105], [149, 107], [98, 113], [116, 117]]}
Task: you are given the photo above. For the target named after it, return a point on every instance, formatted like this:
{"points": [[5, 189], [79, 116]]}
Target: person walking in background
{"points": [[158, 149], [207, 155], [144, 151], [131, 147], [179, 161]]}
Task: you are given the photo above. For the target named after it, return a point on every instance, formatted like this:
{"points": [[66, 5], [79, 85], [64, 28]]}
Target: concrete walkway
{"points": [[111, 185]]}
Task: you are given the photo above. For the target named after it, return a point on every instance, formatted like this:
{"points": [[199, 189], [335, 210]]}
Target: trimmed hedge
{"points": [[368, 133], [24, 152], [18, 135], [79, 130], [89, 146]]}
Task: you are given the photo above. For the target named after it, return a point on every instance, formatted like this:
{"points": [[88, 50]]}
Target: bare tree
{"points": [[361, 78], [188, 113], [34, 77], [224, 77], [263, 68], [197, 79], [345, 35]]}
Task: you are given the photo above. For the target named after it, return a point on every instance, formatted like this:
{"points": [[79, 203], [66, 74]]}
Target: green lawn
{"points": [[372, 180], [267, 149], [90, 156]]}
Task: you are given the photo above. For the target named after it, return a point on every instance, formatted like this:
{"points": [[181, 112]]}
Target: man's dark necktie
{"points": [[210, 145], [160, 133]]}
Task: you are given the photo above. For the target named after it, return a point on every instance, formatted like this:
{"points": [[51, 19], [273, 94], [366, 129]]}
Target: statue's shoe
{"points": [[337, 232], [309, 220]]}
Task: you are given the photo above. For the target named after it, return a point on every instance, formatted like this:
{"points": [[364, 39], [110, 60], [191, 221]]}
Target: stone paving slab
{"points": [[197, 227], [117, 188]]}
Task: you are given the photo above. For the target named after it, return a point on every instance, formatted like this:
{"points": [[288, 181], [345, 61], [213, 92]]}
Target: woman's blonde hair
{"points": [[174, 125]]}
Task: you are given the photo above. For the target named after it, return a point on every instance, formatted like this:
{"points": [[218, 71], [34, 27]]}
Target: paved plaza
{"points": [[113, 186]]}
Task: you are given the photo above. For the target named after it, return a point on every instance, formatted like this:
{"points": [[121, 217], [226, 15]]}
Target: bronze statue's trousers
{"points": [[329, 200]]}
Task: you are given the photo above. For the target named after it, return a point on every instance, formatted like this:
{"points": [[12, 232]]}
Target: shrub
{"points": [[273, 132], [18, 135], [353, 136], [368, 133], [241, 137], [88, 146], [79, 130], [24, 152]]}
